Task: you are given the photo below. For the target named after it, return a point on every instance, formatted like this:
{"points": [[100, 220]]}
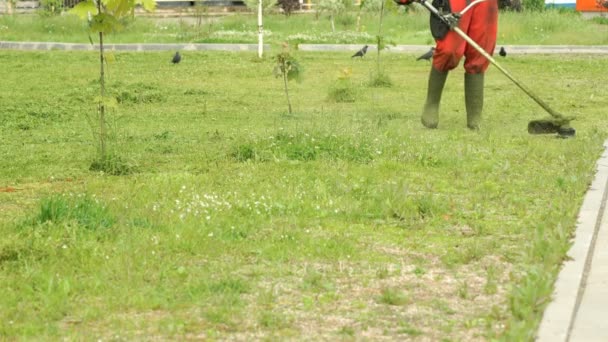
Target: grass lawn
{"points": [[550, 27], [343, 220]]}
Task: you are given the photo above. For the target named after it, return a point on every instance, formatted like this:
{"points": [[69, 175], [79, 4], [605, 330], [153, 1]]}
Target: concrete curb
{"points": [[511, 49], [356, 47], [4, 45], [559, 317], [556, 49]]}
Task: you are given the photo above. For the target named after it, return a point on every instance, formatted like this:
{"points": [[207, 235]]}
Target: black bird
{"points": [[360, 53], [177, 58], [427, 55], [502, 52]]}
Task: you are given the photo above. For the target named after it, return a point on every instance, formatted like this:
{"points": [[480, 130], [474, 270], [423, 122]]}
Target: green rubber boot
{"points": [[473, 97], [430, 113]]}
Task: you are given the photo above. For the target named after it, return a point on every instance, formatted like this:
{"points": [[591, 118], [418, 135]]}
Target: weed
{"points": [[600, 20], [425, 206], [229, 285], [303, 147], [392, 296], [273, 320], [464, 291], [243, 153], [113, 165], [491, 285], [85, 210], [383, 273], [342, 92], [409, 208], [316, 281], [195, 92], [463, 254], [347, 330], [408, 329], [443, 307], [419, 271], [162, 136], [380, 80], [138, 93], [528, 300]]}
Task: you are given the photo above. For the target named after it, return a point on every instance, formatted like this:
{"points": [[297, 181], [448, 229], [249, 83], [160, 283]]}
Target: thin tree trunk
{"points": [[380, 35], [333, 26], [286, 87], [102, 106]]}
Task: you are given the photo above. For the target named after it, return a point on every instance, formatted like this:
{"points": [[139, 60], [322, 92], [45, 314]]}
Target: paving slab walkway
{"points": [[579, 310]]}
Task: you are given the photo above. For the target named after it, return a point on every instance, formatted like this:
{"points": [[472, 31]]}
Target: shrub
{"points": [[534, 5], [51, 7], [288, 6]]}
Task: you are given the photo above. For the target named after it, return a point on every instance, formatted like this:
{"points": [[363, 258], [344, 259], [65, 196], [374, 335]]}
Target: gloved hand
{"points": [[404, 2]]}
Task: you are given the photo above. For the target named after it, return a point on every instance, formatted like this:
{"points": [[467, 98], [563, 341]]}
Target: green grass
{"points": [[548, 27], [241, 221]]}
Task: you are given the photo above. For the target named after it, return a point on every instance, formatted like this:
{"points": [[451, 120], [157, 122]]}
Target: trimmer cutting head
{"points": [[549, 126]]}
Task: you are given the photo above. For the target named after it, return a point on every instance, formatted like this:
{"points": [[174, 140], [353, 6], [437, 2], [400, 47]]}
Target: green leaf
{"points": [[118, 8], [294, 71], [276, 71], [149, 5], [107, 101], [84, 9], [109, 57], [110, 102], [105, 23]]}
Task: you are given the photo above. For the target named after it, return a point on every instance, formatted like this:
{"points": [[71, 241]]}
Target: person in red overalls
{"points": [[480, 23]]}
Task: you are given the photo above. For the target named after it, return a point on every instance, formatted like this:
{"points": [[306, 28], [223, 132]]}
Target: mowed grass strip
{"points": [[549, 27], [342, 220]]}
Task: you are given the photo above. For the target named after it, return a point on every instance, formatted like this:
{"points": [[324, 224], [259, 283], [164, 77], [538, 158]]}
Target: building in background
{"points": [[588, 7]]}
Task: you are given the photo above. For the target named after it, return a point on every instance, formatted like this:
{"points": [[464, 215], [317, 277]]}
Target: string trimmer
{"points": [[557, 123]]}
